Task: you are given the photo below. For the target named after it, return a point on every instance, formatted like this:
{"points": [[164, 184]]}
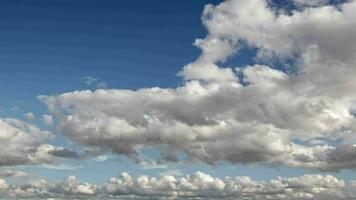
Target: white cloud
{"points": [[171, 172], [3, 185], [102, 85], [12, 173], [148, 164], [62, 166], [101, 158], [196, 186], [89, 80], [23, 143], [47, 119], [70, 187], [30, 116]]}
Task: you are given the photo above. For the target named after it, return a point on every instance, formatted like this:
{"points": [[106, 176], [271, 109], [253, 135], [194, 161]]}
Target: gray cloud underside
{"points": [[195, 186], [303, 116]]}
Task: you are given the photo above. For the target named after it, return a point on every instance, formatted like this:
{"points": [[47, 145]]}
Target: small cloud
{"points": [[47, 119], [102, 85], [151, 164], [12, 174], [92, 81], [30, 116], [63, 167], [89, 80], [171, 172], [101, 158]]}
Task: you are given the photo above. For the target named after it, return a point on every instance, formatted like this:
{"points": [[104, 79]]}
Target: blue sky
{"points": [[63, 42], [118, 63]]}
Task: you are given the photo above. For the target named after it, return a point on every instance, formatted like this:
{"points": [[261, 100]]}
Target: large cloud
{"points": [[196, 186], [302, 115]]}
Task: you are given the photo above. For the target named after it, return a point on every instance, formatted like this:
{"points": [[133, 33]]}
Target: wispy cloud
{"points": [[90, 81], [62, 166]]}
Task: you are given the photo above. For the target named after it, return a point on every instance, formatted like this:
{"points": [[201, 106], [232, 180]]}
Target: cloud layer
{"points": [[196, 186], [295, 108]]}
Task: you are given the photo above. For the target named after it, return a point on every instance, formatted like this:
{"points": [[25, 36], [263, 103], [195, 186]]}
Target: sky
{"points": [[178, 99]]}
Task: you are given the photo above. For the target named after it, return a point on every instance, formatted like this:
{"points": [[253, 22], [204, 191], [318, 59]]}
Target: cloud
{"points": [[3, 185], [301, 91], [69, 187], [102, 85], [196, 186], [47, 119], [101, 158], [89, 80], [12, 174], [30, 116], [64, 167], [23, 143]]}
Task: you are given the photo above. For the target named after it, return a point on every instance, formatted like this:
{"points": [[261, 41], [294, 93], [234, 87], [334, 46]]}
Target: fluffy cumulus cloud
{"points": [[23, 143], [295, 108], [201, 185], [68, 188], [196, 186], [30, 116], [47, 119]]}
